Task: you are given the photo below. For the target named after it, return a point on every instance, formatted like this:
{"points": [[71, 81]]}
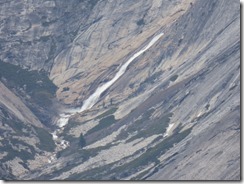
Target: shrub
{"points": [[46, 140], [103, 123], [140, 22], [173, 78], [37, 84], [82, 141]]}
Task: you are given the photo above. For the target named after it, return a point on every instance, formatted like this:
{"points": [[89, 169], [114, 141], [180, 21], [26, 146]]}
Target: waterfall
{"points": [[93, 99]]}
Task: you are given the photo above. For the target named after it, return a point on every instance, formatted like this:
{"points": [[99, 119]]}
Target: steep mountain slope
{"points": [[120, 90]]}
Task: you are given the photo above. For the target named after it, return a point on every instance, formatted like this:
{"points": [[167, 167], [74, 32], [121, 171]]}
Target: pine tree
{"points": [[82, 141]]}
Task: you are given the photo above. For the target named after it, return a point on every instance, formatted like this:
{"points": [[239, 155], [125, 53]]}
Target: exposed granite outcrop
{"points": [[173, 115]]}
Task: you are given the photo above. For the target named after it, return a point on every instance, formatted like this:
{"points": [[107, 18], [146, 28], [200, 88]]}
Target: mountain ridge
{"points": [[172, 114]]}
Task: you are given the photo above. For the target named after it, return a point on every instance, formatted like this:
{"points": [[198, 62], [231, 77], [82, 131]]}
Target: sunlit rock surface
{"points": [[69, 110]]}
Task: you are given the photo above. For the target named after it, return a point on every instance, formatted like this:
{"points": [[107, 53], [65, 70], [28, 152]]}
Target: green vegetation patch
{"points": [[125, 170], [93, 2], [78, 156], [150, 80], [71, 124], [12, 153], [152, 154], [173, 78], [4, 111], [108, 112], [37, 84], [103, 123], [140, 22], [135, 126], [158, 126], [17, 126], [65, 89], [46, 140], [153, 77], [82, 141]]}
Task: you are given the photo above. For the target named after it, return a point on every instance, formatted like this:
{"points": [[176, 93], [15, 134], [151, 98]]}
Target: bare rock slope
{"points": [[174, 114]]}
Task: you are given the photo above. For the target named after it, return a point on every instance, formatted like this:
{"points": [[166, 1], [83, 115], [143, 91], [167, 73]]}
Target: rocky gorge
{"points": [[120, 90]]}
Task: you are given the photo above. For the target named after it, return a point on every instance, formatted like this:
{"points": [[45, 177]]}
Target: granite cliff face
{"points": [[165, 74]]}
